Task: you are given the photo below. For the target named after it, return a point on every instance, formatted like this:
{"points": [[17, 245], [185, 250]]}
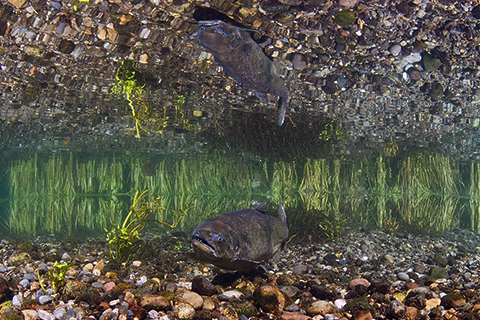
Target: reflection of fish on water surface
{"points": [[243, 59], [240, 240]]}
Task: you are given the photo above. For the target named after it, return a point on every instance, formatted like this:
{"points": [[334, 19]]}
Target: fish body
{"points": [[240, 240], [243, 59]]}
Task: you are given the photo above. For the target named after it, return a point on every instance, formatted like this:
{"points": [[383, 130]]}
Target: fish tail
{"points": [[282, 108]]}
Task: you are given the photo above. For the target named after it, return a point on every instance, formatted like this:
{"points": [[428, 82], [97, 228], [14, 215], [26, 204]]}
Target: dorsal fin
{"points": [[281, 214], [261, 206]]}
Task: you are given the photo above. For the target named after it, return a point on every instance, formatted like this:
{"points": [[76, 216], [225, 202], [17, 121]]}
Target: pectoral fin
{"points": [[244, 265]]}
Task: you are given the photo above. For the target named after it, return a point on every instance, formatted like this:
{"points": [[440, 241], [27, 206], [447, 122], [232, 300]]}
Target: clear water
{"points": [[82, 194], [91, 113]]}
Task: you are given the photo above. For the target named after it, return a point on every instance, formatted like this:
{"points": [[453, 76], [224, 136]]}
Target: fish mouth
{"points": [[203, 245]]}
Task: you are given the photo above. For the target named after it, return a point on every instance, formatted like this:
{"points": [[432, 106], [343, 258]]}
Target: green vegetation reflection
{"points": [[70, 194]]}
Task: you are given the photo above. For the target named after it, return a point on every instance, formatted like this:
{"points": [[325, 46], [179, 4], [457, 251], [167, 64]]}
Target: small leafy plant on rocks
{"points": [[121, 237], [56, 276]]}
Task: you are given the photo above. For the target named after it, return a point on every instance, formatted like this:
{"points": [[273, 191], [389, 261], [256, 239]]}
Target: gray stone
{"points": [[24, 283], [60, 312], [403, 276], [395, 49], [45, 315], [227, 295], [66, 256], [300, 269], [17, 300], [419, 268], [45, 299]]}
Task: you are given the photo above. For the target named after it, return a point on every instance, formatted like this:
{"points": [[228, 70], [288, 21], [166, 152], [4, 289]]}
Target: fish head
{"points": [[218, 37], [214, 242]]}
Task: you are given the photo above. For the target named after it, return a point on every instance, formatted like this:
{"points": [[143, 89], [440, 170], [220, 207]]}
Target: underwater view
{"points": [[253, 159]]}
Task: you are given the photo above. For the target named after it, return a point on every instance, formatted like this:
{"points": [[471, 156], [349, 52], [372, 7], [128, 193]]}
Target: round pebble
{"points": [[45, 299], [45, 315], [403, 276], [395, 49], [184, 311], [300, 269]]}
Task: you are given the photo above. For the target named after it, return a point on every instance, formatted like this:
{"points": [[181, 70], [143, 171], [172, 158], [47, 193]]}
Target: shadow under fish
{"points": [[243, 59], [242, 239]]}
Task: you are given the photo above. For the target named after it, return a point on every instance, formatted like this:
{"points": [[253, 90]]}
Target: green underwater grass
{"points": [[68, 193]]}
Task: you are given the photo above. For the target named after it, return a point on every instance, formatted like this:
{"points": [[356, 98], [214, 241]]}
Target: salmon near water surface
{"points": [[243, 59], [242, 239]]}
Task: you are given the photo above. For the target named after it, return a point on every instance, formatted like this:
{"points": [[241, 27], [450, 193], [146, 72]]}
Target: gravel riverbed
{"points": [[363, 275]]}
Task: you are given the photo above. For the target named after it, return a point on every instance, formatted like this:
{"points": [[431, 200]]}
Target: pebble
{"points": [[321, 307], [30, 314], [397, 309], [25, 283], [66, 256], [395, 49], [389, 258], [109, 286], [340, 303], [141, 281], [348, 3], [45, 315], [153, 301], [227, 295], [88, 267], [360, 281], [294, 316], [136, 263], [184, 311], [300, 269], [97, 284], [97, 270], [17, 300], [193, 298], [203, 287], [403, 276], [269, 298], [45, 299], [299, 62], [60, 312]]}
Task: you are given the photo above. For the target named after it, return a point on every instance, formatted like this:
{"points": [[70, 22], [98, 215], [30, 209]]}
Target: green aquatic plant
{"points": [[121, 237], [332, 132], [391, 225], [56, 276], [391, 148], [135, 86]]}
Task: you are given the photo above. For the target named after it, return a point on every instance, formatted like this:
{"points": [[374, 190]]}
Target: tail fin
{"points": [[282, 108]]}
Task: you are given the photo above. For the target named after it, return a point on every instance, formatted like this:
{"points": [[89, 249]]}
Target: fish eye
{"points": [[220, 238]]}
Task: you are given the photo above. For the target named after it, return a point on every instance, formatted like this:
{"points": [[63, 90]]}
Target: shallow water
{"points": [[381, 131], [79, 194]]}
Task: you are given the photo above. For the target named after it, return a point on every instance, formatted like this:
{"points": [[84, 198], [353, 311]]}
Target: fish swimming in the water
{"points": [[243, 59], [240, 240]]}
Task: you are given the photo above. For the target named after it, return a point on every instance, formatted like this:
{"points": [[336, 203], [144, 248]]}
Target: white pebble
{"points": [[340, 303], [142, 280], [136, 263], [17, 300]]}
